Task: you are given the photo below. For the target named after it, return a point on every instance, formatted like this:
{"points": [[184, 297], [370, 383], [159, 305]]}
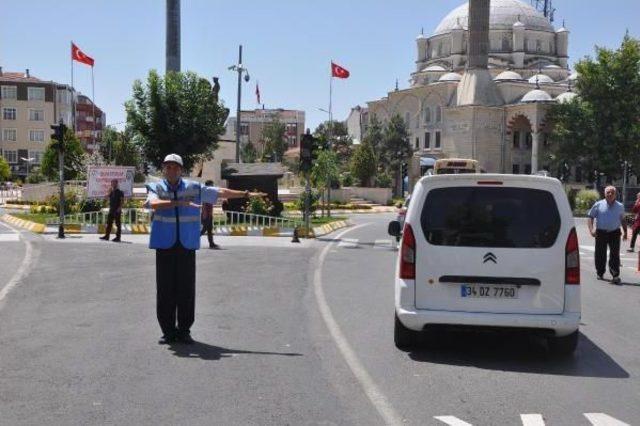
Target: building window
{"points": [[9, 92], [35, 94], [417, 143], [407, 119], [438, 114], [427, 115], [63, 97], [506, 46], [36, 115], [538, 45], [427, 140], [527, 169], [37, 156], [11, 156], [244, 129], [10, 135], [9, 113], [437, 140], [516, 169], [36, 135], [529, 141], [516, 140]]}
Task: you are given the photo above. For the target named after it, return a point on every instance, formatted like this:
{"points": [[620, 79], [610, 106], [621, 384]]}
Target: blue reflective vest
{"points": [[185, 221]]}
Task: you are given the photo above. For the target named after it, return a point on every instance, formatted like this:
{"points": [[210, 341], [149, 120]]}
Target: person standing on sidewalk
{"points": [[206, 218], [608, 215], [116, 199], [635, 228], [175, 235]]}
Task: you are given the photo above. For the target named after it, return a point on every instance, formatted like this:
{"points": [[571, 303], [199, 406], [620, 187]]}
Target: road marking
{"points": [[371, 390], [22, 272], [385, 244], [532, 419], [588, 248], [348, 243], [452, 421], [9, 237], [601, 419]]}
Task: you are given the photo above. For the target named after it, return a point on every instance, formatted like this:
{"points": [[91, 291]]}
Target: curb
{"points": [[38, 228], [322, 230]]}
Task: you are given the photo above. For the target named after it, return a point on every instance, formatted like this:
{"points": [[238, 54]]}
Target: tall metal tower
{"points": [[173, 36], [545, 7]]}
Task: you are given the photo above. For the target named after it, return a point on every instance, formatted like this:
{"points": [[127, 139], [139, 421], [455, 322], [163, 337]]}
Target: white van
{"points": [[487, 251]]}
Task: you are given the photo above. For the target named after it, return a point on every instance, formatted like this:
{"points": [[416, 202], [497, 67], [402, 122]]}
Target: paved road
{"points": [[288, 334]]}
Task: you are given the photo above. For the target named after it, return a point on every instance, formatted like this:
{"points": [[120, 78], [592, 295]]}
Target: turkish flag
{"points": [[79, 55], [338, 71]]}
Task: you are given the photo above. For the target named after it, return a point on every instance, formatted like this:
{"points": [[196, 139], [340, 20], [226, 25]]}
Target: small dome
{"points": [[508, 76], [451, 77], [536, 95], [434, 68], [574, 76], [518, 24], [540, 78], [420, 37], [566, 97], [552, 67], [562, 30]]}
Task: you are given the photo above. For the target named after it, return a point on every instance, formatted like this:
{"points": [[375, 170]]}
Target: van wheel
{"points": [[564, 345], [404, 337]]}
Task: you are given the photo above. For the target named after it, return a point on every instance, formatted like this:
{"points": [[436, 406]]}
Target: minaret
{"points": [[477, 86], [173, 36]]}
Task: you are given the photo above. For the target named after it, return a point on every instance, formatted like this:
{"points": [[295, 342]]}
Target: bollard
{"points": [[295, 238]]}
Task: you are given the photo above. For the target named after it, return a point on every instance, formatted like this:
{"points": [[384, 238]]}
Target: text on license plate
{"points": [[489, 291]]}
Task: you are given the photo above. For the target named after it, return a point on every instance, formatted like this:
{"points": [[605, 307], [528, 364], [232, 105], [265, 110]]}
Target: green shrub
{"points": [[384, 180], [346, 179], [585, 199], [313, 204], [258, 205], [91, 205], [571, 196]]}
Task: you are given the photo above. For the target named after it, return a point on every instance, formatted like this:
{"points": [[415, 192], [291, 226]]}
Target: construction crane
{"points": [[545, 7]]}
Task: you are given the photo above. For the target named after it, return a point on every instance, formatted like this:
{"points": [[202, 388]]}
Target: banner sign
{"points": [[99, 180]]}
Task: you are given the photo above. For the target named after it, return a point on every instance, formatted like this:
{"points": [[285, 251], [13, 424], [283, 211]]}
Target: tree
{"points": [[109, 137], [73, 158], [275, 143], [601, 129], [396, 149], [325, 170], [341, 143], [374, 135], [175, 113], [5, 170], [363, 163], [248, 153]]}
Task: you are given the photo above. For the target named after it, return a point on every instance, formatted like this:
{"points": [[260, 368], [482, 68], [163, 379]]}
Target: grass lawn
{"points": [[35, 217], [325, 220]]}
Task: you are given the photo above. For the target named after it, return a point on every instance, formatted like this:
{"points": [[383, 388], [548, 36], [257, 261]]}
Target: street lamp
{"points": [[239, 68], [28, 161]]}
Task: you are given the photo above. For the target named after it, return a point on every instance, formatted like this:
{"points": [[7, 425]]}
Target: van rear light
{"points": [[572, 259], [408, 254]]}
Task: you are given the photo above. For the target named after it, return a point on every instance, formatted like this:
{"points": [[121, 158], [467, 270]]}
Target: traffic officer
{"points": [[175, 235]]}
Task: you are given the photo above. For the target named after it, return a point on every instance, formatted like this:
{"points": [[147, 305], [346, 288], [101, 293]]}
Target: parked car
{"points": [[488, 251]]}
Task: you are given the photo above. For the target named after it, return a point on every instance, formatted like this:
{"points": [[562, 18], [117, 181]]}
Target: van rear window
{"points": [[490, 217]]}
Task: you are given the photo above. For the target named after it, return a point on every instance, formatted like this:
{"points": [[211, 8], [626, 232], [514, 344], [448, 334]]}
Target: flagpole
{"points": [[93, 102], [330, 135], [73, 98]]}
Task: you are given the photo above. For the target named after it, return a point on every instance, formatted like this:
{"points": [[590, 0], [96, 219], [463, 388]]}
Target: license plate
{"points": [[489, 291]]}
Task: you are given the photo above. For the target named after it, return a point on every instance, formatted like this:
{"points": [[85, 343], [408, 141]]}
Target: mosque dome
{"points": [[434, 68], [537, 95], [508, 76], [451, 77], [504, 14], [574, 76], [566, 97], [540, 78]]}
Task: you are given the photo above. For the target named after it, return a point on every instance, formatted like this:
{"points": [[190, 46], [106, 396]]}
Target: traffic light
{"points": [[145, 167], [629, 171], [405, 170], [58, 133], [307, 147]]}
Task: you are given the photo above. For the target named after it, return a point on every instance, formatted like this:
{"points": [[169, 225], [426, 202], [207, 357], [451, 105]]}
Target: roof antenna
{"points": [[397, 85], [422, 31]]}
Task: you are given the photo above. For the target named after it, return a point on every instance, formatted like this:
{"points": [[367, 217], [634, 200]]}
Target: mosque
{"points": [[483, 83]]}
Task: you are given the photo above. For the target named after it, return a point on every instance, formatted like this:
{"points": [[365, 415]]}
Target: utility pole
{"points": [[624, 183], [59, 131], [172, 44], [239, 68]]}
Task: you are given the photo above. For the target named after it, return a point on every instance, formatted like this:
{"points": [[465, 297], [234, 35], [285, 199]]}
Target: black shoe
{"points": [[105, 238], [116, 239], [168, 339], [185, 338], [600, 277], [214, 246], [616, 280]]}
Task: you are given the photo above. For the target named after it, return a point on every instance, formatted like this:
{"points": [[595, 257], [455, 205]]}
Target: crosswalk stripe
{"points": [[452, 421], [601, 419], [348, 243], [383, 244], [532, 419]]}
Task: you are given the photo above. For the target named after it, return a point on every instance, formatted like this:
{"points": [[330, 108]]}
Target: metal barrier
{"points": [[10, 195], [144, 217]]}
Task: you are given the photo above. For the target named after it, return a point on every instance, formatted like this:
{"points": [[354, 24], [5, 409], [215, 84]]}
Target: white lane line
{"points": [[371, 390], [532, 419], [348, 243], [601, 419], [385, 244], [9, 238], [452, 421], [22, 272]]}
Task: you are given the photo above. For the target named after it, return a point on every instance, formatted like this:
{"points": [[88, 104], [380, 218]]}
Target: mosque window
{"points": [[516, 140], [516, 169], [505, 44], [417, 143], [438, 114], [427, 115], [529, 141], [440, 49], [527, 169], [550, 47], [427, 140], [407, 119], [438, 145], [538, 45]]}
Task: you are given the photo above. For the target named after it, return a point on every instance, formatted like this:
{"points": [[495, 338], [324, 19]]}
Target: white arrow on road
{"points": [[601, 419], [596, 419]]}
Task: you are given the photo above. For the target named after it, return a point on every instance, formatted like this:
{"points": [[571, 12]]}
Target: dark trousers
{"points": [[207, 226], [634, 236], [606, 239], [176, 289], [111, 217]]}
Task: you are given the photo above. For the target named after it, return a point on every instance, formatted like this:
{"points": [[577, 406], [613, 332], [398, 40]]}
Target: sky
{"points": [[287, 45]]}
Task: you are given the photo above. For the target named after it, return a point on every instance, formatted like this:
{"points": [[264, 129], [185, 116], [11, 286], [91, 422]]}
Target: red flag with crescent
{"points": [[80, 56], [338, 71]]}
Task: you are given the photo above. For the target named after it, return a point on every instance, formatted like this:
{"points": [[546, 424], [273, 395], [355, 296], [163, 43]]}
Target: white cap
{"points": [[173, 158]]}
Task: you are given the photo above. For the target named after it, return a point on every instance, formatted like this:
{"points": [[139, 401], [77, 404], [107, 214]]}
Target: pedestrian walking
{"points": [[175, 235], [116, 199], [206, 217], [635, 227], [608, 215]]}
